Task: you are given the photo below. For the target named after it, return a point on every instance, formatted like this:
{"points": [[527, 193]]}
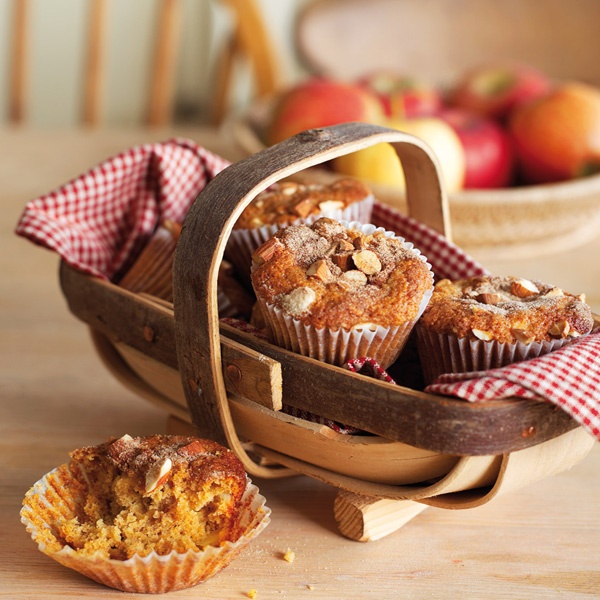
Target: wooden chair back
{"points": [[160, 93], [248, 38]]}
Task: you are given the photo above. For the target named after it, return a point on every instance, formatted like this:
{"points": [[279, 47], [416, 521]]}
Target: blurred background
{"points": [[56, 46]]}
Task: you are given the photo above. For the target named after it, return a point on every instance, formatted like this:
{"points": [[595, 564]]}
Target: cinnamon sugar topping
{"points": [[508, 309], [335, 276]]}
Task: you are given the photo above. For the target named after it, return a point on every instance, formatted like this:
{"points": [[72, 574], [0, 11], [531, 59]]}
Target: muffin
{"points": [[482, 323], [289, 203], [147, 514], [335, 291], [152, 273]]}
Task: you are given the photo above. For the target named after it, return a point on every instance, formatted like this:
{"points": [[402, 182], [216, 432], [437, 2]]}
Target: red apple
{"points": [[402, 96], [494, 90], [319, 103], [558, 137], [488, 149]]}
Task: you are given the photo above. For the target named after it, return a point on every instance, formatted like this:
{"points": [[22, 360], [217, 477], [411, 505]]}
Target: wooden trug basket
{"points": [[231, 386]]}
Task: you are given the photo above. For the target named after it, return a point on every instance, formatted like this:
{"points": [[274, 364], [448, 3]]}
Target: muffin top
{"points": [[147, 461], [330, 275], [506, 309], [286, 202]]}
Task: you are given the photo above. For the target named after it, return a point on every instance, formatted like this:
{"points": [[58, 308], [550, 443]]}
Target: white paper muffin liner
{"points": [[382, 344], [49, 501], [444, 353], [243, 242]]}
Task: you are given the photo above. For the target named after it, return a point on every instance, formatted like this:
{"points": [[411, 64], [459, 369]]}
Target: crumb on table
{"points": [[289, 555]]}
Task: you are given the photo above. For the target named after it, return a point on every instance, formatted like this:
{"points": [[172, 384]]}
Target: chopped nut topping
{"points": [[158, 474], [119, 446], [481, 335], [354, 277], [345, 246], [320, 270], [342, 261], [289, 188], [265, 252], [521, 335], [330, 205], [554, 292], [523, 288], [560, 329], [298, 301], [581, 297], [488, 298], [442, 283], [367, 261], [303, 208]]}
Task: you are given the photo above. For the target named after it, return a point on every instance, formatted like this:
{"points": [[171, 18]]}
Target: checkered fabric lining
{"points": [[99, 221]]}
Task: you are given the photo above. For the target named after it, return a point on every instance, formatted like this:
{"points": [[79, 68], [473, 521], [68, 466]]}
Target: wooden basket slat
{"points": [[398, 413]]}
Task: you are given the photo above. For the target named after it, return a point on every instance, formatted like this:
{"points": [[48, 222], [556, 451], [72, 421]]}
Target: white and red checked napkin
{"points": [[99, 222]]}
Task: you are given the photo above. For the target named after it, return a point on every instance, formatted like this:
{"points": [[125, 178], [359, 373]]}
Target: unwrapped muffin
{"points": [[480, 323], [149, 514], [290, 203], [335, 291]]}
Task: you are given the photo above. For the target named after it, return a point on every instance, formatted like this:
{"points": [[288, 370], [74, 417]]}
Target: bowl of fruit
{"points": [[519, 152]]}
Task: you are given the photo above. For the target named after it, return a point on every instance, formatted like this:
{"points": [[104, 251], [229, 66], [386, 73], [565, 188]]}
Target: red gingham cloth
{"points": [[101, 219], [99, 222]]}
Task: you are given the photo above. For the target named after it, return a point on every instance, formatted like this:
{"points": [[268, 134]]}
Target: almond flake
{"points": [[354, 277], [298, 301], [289, 188], [320, 270], [303, 208], [329, 206], [554, 292], [523, 288], [560, 329], [521, 335], [367, 261], [265, 252], [342, 261], [487, 298], [345, 246], [158, 474], [482, 335]]}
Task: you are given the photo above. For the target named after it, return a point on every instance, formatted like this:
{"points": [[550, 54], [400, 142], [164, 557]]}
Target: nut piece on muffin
{"points": [[485, 322], [336, 291], [286, 202], [290, 203], [146, 514]]}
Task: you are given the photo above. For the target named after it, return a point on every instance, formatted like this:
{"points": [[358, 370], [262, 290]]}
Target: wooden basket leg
{"points": [[366, 519]]}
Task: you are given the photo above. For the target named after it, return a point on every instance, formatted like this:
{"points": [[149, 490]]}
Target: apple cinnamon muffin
{"points": [[479, 323], [158, 511], [336, 290], [291, 203]]}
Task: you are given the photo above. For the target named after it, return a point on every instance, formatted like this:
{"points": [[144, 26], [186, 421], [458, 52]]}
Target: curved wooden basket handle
{"points": [[207, 228]]}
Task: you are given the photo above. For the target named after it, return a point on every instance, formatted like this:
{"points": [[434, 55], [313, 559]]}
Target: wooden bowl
{"points": [[521, 221]]}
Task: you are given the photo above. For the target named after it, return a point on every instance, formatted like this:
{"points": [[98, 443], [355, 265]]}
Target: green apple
{"points": [[379, 164]]}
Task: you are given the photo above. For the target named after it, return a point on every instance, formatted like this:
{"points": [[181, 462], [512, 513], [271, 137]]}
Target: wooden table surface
{"points": [[542, 541]]}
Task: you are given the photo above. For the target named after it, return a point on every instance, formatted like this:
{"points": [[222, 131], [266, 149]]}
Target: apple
{"points": [[558, 136], [379, 164], [320, 102], [402, 96], [489, 154], [494, 90]]}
